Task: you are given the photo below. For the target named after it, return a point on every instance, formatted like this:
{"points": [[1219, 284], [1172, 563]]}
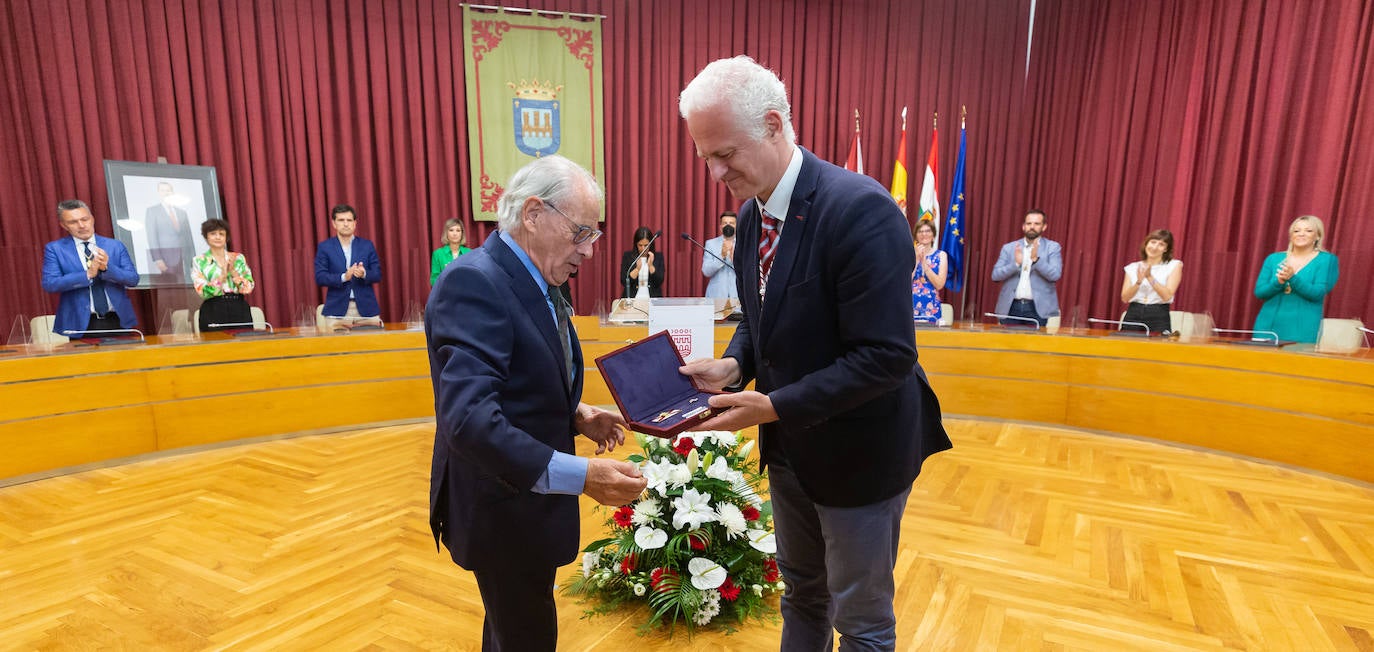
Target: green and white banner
{"points": [[533, 89]]}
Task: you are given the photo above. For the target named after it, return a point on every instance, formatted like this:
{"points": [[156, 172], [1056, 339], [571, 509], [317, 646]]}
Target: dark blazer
{"points": [[631, 285], [502, 406], [330, 264], [64, 271], [833, 346]]}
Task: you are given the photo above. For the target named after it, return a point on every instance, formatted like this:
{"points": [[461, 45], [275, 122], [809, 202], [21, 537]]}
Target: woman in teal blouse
{"points": [[455, 245], [1293, 284]]}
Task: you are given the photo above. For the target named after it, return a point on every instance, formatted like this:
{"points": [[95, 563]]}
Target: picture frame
{"points": [[157, 210]]}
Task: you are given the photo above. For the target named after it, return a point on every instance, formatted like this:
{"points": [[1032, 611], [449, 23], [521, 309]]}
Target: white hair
{"points": [[749, 90], [554, 179]]}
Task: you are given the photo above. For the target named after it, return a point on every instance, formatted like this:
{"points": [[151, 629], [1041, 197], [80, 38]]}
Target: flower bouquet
{"points": [[697, 546]]}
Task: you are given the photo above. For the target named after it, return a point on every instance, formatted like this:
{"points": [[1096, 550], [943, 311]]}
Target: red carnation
{"points": [[770, 570], [623, 515], [728, 590], [698, 541], [750, 513], [684, 446], [627, 564]]}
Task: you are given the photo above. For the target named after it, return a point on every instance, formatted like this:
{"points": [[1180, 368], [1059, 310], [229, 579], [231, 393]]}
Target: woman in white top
{"points": [[1151, 282]]}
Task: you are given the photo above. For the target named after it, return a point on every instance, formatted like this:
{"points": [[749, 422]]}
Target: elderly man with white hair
{"points": [[507, 376]]}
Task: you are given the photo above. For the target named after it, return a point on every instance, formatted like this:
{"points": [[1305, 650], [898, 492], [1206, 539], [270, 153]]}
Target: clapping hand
{"points": [[1142, 273], [1285, 272], [1019, 256]]}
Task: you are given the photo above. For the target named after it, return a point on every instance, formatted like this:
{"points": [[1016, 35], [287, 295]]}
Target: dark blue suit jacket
{"points": [[834, 346], [330, 264], [502, 405], [64, 271]]}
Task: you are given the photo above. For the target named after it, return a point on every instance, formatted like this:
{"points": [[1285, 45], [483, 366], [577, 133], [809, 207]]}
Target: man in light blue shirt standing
{"points": [[507, 376]]}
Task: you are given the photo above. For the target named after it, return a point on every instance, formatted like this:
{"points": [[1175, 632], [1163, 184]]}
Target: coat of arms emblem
{"points": [[537, 125]]}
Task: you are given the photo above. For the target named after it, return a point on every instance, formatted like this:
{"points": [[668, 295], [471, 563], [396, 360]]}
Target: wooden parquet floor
{"points": [[1021, 538]]}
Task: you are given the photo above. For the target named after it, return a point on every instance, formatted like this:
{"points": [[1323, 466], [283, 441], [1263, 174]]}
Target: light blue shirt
{"points": [[565, 474]]}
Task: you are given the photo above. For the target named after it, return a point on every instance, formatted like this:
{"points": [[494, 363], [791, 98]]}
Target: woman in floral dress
{"points": [[929, 276]]}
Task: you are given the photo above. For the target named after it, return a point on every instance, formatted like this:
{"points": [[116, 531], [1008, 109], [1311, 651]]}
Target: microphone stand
{"points": [[1273, 339], [1120, 323], [253, 324], [703, 248], [1034, 324], [107, 340]]}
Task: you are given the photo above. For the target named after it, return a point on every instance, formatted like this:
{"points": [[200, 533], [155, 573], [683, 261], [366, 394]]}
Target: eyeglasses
{"points": [[583, 233]]}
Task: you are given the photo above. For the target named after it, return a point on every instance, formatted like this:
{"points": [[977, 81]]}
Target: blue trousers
{"points": [[837, 563]]}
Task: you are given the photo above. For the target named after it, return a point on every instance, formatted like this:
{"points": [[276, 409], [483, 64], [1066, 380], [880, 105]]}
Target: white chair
{"points": [[40, 331], [259, 319], [320, 322], [946, 314], [1340, 336], [181, 322]]}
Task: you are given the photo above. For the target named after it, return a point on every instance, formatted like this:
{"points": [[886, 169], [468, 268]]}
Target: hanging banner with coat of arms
{"points": [[533, 89]]}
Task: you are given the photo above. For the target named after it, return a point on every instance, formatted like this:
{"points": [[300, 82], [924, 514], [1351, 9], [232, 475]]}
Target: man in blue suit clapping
{"points": [[347, 267], [91, 272]]}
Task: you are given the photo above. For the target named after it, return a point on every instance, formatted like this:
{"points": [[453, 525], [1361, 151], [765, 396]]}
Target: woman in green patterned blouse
{"points": [[455, 245], [222, 278]]}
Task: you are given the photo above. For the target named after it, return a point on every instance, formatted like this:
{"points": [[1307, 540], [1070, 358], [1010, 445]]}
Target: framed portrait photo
{"points": [[157, 211]]}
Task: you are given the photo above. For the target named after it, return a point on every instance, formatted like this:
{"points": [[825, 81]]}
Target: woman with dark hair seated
{"points": [[1151, 283], [222, 278]]}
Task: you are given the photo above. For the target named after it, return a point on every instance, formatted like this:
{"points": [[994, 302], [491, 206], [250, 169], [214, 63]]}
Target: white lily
{"points": [[693, 509]]}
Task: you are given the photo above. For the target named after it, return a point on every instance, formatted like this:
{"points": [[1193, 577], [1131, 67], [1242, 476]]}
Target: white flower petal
{"points": [[762, 541], [650, 538], [589, 561], [706, 574]]}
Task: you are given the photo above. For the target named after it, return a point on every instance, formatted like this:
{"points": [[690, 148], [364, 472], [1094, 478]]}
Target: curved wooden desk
{"points": [[67, 408]]}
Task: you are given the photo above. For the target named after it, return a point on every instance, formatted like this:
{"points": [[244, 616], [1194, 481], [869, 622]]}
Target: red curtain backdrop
{"points": [[301, 104], [1221, 119]]}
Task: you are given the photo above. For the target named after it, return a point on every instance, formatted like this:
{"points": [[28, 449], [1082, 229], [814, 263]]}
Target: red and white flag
{"points": [[855, 161]]}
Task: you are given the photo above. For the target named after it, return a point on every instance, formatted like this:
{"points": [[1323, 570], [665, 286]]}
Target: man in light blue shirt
{"points": [[507, 377]]}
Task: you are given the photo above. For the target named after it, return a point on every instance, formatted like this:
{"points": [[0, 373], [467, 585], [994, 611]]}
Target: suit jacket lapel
{"points": [[533, 301]]}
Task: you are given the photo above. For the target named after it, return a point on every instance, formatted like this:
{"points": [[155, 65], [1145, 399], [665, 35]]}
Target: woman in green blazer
{"points": [[455, 244], [1293, 284]]}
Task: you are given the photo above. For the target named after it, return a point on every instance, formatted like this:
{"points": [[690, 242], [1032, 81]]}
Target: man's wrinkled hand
{"points": [[605, 428], [613, 482]]}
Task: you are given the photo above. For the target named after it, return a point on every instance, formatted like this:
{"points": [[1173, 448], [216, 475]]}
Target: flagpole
{"points": [[963, 283]]}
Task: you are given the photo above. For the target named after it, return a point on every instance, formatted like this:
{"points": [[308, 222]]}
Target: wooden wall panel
{"points": [[42, 444]]}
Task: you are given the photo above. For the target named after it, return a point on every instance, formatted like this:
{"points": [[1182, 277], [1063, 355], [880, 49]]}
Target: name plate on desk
{"points": [[653, 396]]}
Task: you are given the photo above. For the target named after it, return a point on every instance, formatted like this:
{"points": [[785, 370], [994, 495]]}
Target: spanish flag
{"points": [[899, 182]]}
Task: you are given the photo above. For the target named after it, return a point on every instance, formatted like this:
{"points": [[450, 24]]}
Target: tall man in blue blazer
{"points": [[91, 271], [507, 374], [1028, 269], [846, 417], [347, 267]]}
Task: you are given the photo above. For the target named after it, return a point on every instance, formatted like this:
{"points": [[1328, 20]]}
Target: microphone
{"points": [[1034, 324], [1273, 339], [270, 330], [703, 248], [1120, 323], [107, 340]]}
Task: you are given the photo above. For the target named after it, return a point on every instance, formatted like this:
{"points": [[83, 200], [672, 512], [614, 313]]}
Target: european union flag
{"points": [[956, 226]]}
